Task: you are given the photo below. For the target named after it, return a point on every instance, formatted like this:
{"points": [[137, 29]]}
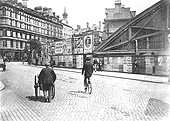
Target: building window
{"points": [[21, 44], [3, 21], [26, 26], [18, 35], [28, 36], [18, 24], [14, 34], [10, 13], [13, 15], [32, 36], [11, 33], [22, 25], [31, 28], [1, 12], [8, 33], [18, 16], [1, 32], [13, 22], [8, 21], [4, 43], [23, 35], [12, 43], [4, 11], [16, 44]]}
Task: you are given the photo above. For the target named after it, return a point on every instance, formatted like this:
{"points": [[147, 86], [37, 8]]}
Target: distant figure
{"points": [[135, 66], [47, 78], [100, 65], [52, 63], [95, 64], [88, 69]]}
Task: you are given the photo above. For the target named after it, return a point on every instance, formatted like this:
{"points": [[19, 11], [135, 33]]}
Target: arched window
{"points": [[4, 11], [11, 12]]}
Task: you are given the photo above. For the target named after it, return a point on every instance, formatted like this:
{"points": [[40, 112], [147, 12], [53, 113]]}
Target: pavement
{"points": [[126, 97]]}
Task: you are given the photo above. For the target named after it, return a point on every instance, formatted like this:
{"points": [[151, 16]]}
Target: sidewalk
{"points": [[136, 77]]}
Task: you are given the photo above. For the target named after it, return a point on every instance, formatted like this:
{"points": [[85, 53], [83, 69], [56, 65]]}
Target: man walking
{"points": [[88, 69], [47, 78]]}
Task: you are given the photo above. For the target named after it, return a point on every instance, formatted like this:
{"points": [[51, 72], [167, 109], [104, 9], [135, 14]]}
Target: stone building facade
{"points": [[19, 24], [116, 17]]}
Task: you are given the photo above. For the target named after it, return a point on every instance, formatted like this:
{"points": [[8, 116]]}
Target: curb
{"points": [[2, 86]]}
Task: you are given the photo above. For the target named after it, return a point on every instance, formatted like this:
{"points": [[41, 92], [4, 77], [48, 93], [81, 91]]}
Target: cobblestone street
{"points": [[112, 99]]}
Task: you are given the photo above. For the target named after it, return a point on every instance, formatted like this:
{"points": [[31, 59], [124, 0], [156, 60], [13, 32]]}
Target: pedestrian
{"points": [[52, 63], [95, 64], [135, 66], [87, 70], [47, 78], [100, 65]]}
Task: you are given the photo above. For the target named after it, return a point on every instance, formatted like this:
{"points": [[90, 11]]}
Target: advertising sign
{"points": [[127, 64], [97, 40], [88, 44], [78, 45], [79, 61], [67, 46], [58, 47]]}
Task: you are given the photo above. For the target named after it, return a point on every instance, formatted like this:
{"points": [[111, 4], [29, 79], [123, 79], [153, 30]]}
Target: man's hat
{"points": [[47, 64], [88, 58]]}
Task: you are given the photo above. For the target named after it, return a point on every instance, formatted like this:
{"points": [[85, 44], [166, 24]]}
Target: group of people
{"points": [[47, 78]]}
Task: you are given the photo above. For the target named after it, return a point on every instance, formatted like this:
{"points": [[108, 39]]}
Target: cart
{"points": [[38, 88]]}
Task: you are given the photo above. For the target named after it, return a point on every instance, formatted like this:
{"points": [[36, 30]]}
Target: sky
{"points": [[92, 11]]}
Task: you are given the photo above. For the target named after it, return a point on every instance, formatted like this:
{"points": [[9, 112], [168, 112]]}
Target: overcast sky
{"points": [[92, 11]]}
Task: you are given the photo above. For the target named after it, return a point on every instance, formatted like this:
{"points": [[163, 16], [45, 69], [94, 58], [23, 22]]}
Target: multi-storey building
{"points": [[116, 17], [63, 51], [19, 24]]}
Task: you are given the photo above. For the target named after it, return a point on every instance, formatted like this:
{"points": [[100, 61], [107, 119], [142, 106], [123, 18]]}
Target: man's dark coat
{"points": [[88, 68], [47, 75]]}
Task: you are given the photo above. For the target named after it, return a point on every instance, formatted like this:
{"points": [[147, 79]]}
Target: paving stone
{"points": [[112, 98]]}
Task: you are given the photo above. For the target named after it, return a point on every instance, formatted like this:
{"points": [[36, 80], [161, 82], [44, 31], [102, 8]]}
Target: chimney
{"points": [[99, 25], [133, 13], [38, 9], [87, 25], [24, 2], [58, 18], [78, 27], [118, 5], [50, 12]]}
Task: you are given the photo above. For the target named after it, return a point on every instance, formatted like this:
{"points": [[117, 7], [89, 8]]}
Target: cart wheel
{"points": [[36, 87], [53, 92], [36, 92]]}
